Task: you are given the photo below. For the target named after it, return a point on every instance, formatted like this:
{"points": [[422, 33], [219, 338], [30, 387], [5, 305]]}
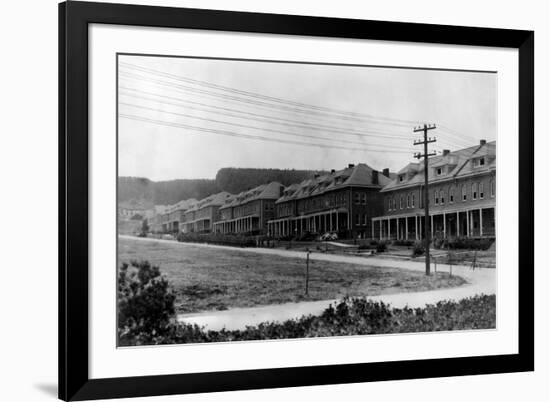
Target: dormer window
{"points": [[401, 177], [479, 162], [438, 171]]}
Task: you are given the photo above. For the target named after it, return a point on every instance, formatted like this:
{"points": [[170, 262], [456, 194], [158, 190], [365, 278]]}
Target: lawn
{"points": [[206, 279]]}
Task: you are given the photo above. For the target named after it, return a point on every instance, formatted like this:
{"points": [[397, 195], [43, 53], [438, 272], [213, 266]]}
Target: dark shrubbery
{"points": [[381, 246], [403, 242], [356, 316], [145, 302], [218, 238], [418, 249], [461, 243]]}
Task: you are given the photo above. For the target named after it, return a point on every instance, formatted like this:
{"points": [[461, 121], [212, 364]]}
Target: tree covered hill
{"points": [[233, 180]]}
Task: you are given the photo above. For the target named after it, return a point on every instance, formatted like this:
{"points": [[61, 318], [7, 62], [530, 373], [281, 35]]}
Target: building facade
{"points": [[462, 197], [201, 215], [249, 211], [343, 202]]}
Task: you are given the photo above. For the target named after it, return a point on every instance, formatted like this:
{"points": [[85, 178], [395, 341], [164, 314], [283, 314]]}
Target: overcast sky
{"points": [[187, 118]]}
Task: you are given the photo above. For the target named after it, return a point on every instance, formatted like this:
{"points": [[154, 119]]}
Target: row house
{"points": [[461, 188], [343, 201], [249, 211], [202, 215], [174, 215]]}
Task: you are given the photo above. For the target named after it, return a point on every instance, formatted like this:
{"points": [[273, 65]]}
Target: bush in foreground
{"points": [[145, 303], [352, 316]]}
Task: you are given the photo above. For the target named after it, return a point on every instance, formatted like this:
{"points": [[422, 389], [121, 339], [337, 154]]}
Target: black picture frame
{"points": [[74, 18]]}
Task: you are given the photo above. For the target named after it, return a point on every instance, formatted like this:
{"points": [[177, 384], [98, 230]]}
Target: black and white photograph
{"points": [[265, 200]]}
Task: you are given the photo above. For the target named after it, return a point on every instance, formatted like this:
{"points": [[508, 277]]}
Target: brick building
{"points": [[174, 215], [249, 211], [462, 196], [341, 201], [201, 215]]}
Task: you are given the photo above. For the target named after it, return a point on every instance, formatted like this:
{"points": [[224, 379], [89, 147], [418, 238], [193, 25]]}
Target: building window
{"points": [[357, 198], [365, 219], [413, 200], [481, 193], [364, 198], [474, 191], [401, 202], [442, 196], [436, 197], [394, 204], [439, 171], [451, 195], [358, 219], [492, 188], [464, 194], [408, 200]]}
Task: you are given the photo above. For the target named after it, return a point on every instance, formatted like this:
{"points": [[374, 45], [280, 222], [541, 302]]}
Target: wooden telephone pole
{"points": [[426, 155]]}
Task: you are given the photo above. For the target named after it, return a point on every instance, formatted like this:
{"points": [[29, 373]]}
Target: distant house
{"points": [[462, 196], [249, 211], [342, 201], [128, 210]]}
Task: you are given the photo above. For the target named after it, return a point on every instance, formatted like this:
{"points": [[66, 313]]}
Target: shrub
{"points": [[145, 302], [418, 249], [460, 243], [352, 316], [381, 247], [403, 242]]}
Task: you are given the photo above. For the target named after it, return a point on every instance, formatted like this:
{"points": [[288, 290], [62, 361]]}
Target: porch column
{"points": [[432, 226], [480, 222], [468, 223], [407, 228], [337, 227], [330, 221], [416, 227], [444, 225], [457, 224], [372, 229], [398, 232], [389, 228]]}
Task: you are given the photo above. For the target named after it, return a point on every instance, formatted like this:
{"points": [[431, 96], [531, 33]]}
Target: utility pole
{"points": [[425, 155]]}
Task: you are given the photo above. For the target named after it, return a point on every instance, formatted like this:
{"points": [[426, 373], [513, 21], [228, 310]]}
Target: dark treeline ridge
{"points": [[146, 192]]}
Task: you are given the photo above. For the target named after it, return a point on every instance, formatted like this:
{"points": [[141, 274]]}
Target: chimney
{"points": [[386, 172], [375, 176], [446, 152], [482, 142], [351, 165]]}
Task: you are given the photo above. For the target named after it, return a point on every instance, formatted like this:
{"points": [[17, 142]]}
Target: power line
{"points": [[262, 96], [248, 136], [251, 127], [186, 89], [265, 118]]}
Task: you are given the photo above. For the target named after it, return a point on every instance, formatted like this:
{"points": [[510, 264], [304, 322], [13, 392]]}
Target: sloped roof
{"points": [[354, 175], [270, 191], [217, 199], [181, 205], [459, 163]]}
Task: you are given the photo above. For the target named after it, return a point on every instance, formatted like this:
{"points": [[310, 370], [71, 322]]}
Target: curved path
{"points": [[480, 281]]}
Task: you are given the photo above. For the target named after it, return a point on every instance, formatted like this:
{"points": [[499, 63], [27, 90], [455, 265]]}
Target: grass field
{"points": [[207, 279]]}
